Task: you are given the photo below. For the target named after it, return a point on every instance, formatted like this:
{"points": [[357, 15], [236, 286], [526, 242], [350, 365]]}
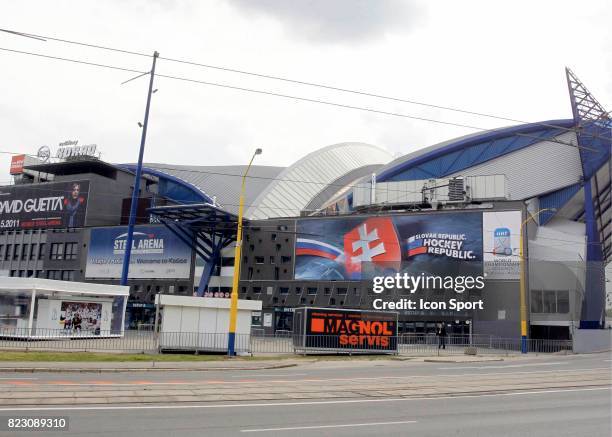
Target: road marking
{"points": [[271, 374], [293, 404], [503, 366], [13, 379], [348, 425]]}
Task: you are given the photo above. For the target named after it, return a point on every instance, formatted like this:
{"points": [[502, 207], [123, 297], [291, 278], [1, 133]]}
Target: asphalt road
{"points": [[437, 399]]}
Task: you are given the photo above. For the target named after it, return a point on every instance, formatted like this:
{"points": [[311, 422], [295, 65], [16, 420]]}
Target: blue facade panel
{"points": [[473, 151], [556, 200]]}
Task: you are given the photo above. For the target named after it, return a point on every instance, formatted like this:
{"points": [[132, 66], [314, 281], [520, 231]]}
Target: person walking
{"points": [[441, 332]]}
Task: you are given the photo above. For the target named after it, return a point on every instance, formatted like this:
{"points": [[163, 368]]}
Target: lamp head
{"points": [[258, 151]]}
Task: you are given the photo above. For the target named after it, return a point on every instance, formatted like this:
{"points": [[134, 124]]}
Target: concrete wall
{"points": [[592, 340]]}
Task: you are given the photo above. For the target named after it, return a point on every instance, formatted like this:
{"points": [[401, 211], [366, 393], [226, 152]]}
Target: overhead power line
{"points": [[287, 96], [289, 80]]}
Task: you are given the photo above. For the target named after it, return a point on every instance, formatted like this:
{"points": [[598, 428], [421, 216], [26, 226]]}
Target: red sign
{"points": [[17, 162], [375, 241], [343, 329]]}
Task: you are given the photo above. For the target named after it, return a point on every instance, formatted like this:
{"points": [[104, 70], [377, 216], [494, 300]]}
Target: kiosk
{"points": [[201, 323]]}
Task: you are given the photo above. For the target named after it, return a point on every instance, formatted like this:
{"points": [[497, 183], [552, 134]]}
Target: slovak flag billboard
{"points": [[355, 248]]}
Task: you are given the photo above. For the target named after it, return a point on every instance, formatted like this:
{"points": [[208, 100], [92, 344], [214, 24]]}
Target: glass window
{"points": [[312, 290], [67, 275], [41, 251], [341, 290], [8, 252], [1, 251], [256, 318], [259, 260], [70, 251], [24, 251], [57, 251], [284, 290], [536, 301], [563, 301], [550, 301], [285, 259], [33, 251], [16, 249]]}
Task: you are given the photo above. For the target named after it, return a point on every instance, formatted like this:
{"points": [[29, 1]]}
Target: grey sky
{"points": [[500, 58], [343, 21]]}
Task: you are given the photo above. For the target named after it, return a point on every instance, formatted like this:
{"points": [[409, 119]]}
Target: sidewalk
{"points": [[235, 364], [147, 366]]}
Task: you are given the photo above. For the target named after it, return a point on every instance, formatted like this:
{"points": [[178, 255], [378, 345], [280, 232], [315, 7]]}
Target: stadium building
{"points": [[316, 232]]}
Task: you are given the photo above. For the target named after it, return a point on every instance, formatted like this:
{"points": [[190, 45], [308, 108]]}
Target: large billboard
{"points": [[156, 253], [51, 205], [501, 232], [356, 248]]}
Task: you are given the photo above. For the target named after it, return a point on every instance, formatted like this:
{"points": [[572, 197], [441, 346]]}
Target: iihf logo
{"points": [[502, 242]]}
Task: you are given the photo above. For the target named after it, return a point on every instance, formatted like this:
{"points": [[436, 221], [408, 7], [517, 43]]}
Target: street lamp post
{"points": [[231, 339], [523, 280]]}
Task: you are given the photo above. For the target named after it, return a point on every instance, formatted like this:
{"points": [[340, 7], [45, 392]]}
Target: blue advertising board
{"points": [[355, 248], [156, 253]]}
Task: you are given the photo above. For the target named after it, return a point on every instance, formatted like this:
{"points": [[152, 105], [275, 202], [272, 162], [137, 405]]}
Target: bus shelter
{"points": [[34, 308]]}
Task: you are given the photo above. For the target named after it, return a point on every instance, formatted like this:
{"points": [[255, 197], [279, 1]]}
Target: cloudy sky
{"points": [[502, 58]]}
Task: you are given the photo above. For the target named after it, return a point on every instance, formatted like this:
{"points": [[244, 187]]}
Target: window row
{"points": [[310, 291], [60, 275], [550, 301], [33, 251], [67, 251], [22, 251]]}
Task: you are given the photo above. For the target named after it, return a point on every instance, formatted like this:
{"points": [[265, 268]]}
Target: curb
{"points": [[445, 360], [136, 369]]}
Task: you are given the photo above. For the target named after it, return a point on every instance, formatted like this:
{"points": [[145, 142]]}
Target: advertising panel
{"points": [[17, 162], [357, 248], [501, 238], [52, 205], [354, 330], [83, 317], [156, 253]]}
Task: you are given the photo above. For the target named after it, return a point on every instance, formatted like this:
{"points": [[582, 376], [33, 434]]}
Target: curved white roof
{"points": [[293, 189]]}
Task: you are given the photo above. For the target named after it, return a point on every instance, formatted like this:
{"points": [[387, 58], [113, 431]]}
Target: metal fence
{"points": [[146, 341]]}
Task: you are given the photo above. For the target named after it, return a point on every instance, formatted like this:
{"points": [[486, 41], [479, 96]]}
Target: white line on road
{"points": [[293, 428], [503, 366], [268, 374], [292, 404], [12, 379]]}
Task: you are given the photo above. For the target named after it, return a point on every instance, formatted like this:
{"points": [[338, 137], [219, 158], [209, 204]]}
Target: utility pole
{"points": [[136, 192]]}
